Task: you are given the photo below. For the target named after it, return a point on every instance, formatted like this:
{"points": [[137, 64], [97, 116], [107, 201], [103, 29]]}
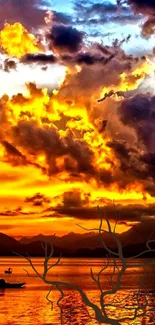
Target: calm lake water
{"points": [[29, 305]]}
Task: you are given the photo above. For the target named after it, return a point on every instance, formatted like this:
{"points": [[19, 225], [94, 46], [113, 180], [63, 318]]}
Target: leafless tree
{"points": [[120, 264]]}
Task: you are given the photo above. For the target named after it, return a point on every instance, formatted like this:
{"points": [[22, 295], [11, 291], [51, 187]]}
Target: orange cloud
{"points": [[62, 149], [16, 41]]}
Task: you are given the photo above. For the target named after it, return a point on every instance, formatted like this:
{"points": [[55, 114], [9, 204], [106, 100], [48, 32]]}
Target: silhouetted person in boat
{"points": [[5, 285], [9, 271]]}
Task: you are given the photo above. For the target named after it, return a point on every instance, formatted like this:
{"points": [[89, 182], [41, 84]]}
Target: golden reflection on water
{"points": [[29, 306]]}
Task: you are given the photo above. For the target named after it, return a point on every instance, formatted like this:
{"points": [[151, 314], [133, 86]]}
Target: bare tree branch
{"points": [[48, 299], [101, 313]]}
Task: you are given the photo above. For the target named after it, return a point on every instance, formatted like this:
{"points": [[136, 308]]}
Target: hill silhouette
{"points": [[78, 245]]}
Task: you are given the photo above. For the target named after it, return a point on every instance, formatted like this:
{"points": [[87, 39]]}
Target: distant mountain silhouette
{"points": [[78, 245], [70, 242], [10, 246], [40, 237], [7, 244], [138, 234]]}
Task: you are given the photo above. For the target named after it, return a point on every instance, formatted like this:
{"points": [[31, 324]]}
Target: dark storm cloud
{"points": [[37, 200], [72, 199], [149, 27], [13, 155], [12, 150], [76, 155], [65, 38], [120, 149], [16, 158], [39, 58], [86, 10], [9, 213], [149, 160], [120, 20], [106, 7], [26, 12], [61, 18], [147, 9], [135, 165], [131, 213], [143, 5], [139, 112], [96, 54], [9, 65], [87, 58], [104, 49], [111, 62], [30, 13], [138, 108], [38, 140], [15, 213], [106, 12], [131, 166], [136, 159]]}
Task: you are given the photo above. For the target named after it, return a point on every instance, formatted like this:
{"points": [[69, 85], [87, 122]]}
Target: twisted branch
{"points": [[101, 313]]}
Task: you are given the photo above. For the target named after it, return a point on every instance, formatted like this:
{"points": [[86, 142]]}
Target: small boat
{"points": [[9, 271], [6, 285]]}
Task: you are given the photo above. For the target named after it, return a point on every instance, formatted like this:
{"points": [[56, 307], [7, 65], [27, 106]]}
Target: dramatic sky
{"points": [[77, 114]]}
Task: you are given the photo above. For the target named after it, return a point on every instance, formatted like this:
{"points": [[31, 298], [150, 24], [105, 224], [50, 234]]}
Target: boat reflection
{"points": [[2, 292]]}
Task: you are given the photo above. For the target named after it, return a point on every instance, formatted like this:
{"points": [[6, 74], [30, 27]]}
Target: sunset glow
{"points": [[55, 154]]}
